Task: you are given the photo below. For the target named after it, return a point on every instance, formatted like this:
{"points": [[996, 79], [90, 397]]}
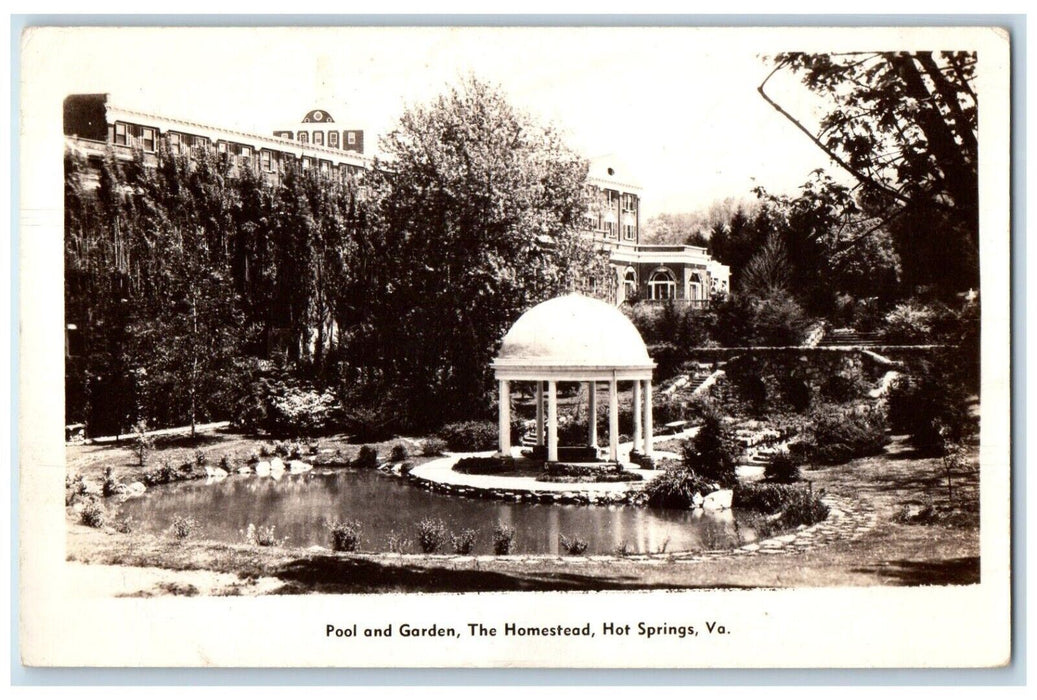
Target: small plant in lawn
{"points": [[398, 453], [143, 444], [431, 534], [661, 549], [262, 536], [182, 528], [574, 546], [266, 450], [225, 463], [398, 542], [93, 515], [406, 468], [624, 550], [433, 447], [366, 458], [110, 485], [345, 535], [124, 525], [464, 541], [200, 459], [75, 486], [503, 538]]}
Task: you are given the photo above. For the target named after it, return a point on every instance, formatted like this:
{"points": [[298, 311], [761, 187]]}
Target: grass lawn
{"points": [[893, 553]]}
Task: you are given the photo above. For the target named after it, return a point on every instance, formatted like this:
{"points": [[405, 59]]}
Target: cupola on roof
{"points": [[573, 331]]}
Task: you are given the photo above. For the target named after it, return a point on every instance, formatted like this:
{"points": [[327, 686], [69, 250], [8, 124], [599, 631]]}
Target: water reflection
{"points": [[298, 505]]}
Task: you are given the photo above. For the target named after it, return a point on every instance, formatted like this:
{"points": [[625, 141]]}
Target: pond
{"points": [[298, 505]]}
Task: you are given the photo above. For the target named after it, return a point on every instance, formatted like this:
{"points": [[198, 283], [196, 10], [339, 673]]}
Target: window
{"points": [[609, 198], [304, 137], [221, 147], [264, 159], [333, 139], [120, 134], [351, 138], [199, 143], [307, 163], [628, 231], [147, 139], [318, 138], [662, 285], [174, 143], [246, 155], [629, 202], [610, 228], [630, 284], [325, 167]]}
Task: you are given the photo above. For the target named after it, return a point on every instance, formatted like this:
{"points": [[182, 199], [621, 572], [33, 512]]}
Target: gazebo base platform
{"points": [[580, 453]]}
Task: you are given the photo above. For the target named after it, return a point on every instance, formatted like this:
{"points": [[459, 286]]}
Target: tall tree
{"points": [[480, 221], [904, 125]]}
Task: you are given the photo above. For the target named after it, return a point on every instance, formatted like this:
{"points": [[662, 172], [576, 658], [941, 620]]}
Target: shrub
{"points": [[797, 505], [398, 453], [143, 444], [397, 542], [783, 468], [225, 464], [406, 468], [366, 458], [345, 535], [372, 423], [278, 405], [931, 406], [431, 534], [433, 446], [503, 538], [288, 449], [262, 536], [75, 486], [911, 322], [124, 525], [484, 465], [837, 435], [642, 460], [93, 515], [575, 546], [713, 451], [470, 436], [109, 486], [463, 542], [676, 488], [182, 528]]}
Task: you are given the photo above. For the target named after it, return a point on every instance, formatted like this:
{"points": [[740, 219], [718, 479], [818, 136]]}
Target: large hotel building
{"points": [[687, 274]]}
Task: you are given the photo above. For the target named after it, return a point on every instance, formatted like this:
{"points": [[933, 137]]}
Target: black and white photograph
{"points": [[644, 344]]}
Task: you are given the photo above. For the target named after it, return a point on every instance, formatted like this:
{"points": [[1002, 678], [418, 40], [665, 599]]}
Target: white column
{"points": [[613, 420], [637, 415], [592, 415], [540, 412], [648, 417], [505, 418], [552, 421]]}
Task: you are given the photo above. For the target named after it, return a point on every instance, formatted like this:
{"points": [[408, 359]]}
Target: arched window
{"points": [[662, 285], [630, 284]]}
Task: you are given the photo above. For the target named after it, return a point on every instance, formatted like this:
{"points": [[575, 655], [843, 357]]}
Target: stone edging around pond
{"points": [[579, 497]]}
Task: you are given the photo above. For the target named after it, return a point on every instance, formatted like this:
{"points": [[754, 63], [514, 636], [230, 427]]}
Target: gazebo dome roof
{"points": [[573, 331]]}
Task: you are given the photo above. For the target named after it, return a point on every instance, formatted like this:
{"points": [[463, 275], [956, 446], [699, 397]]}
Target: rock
{"points": [[216, 472], [136, 488], [263, 468], [276, 465], [696, 500], [718, 500]]}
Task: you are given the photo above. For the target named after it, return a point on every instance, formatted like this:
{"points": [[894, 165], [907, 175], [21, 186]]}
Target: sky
{"points": [[676, 107]]}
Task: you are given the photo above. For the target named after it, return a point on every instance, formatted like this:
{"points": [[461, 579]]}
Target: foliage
{"points": [[481, 211], [109, 485], [484, 465], [143, 443], [75, 487], [837, 434], [433, 447], [397, 543], [366, 458], [262, 536], [904, 125], [910, 323], [503, 538], [797, 505], [931, 405], [783, 468], [94, 514], [712, 453], [470, 436], [677, 488], [463, 542], [432, 533], [398, 453], [345, 535], [182, 527], [574, 546]]}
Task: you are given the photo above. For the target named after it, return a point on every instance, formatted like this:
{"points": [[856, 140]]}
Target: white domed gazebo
{"points": [[574, 338]]}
